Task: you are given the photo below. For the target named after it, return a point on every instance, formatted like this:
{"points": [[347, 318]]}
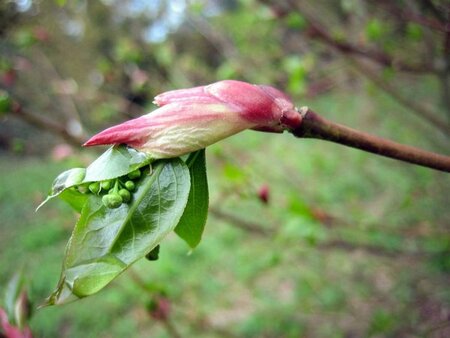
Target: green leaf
{"points": [[106, 241], [74, 198], [192, 223], [64, 181], [115, 162]]}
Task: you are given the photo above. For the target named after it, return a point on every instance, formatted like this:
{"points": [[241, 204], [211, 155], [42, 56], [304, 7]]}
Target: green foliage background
{"points": [[349, 244]]}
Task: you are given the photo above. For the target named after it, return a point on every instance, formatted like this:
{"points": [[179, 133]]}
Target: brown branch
{"points": [[428, 4], [241, 223], [318, 32], [45, 123], [402, 12], [418, 109], [338, 244], [315, 126], [67, 102], [333, 244], [445, 76]]}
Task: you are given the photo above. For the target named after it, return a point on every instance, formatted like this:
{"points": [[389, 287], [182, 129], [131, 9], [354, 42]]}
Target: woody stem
{"points": [[315, 126]]}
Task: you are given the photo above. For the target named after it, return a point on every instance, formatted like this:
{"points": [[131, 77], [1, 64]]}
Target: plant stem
{"points": [[171, 329], [46, 123], [415, 107], [315, 126]]}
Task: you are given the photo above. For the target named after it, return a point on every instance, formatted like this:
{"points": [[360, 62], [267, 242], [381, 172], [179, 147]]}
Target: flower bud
{"points": [[134, 174], [106, 185], [125, 194], [83, 188], [94, 187], [263, 194], [112, 201], [130, 186], [192, 119]]}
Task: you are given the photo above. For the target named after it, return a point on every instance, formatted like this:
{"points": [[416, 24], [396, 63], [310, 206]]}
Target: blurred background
{"points": [[304, 238]]}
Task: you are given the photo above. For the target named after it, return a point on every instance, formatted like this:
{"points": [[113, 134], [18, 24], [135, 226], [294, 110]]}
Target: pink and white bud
{"points": [[194, 118]]}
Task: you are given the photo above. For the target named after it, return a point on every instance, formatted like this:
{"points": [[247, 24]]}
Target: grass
{"points": [[360, 245]]}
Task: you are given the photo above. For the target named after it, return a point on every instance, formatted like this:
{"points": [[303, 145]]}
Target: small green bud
{"points": [[134, 174], [112, 201], [125, 194], [129, 185], [106, 185], [94, 187], [83, 188]]}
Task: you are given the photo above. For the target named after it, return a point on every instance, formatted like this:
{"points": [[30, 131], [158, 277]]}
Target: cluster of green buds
{"points": [[114, 192]]}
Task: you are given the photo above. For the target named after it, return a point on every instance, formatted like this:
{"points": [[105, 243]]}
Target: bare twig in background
{"points": [[414, 107], [419, 18], [45, 123], [431, 7], [317, 31], [171, 329], [241, 223], [69, 107], [445, 76], [332, 244], [338, 244]]}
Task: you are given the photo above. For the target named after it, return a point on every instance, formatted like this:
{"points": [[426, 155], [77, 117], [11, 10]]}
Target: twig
{"points": [[416, 108], [315, 126], [317, 31], [445, 78], [402, 12], [338, 244], [240, 223], [166, 322], [333, 244], [378, 56], [45, 123], [433, 9], [170, 328], [68, 104]]}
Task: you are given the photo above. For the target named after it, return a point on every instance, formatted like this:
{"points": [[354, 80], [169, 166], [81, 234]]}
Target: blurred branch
{"points": [[240, 223], [350, 51], [333, 244], [436, 24], [216, 38], [164, 319], [428, 4], [315, 126], [338, 244], [45, 123], [415, 107], [170, 328], [317, 31], [445, 78], [68, 104]]}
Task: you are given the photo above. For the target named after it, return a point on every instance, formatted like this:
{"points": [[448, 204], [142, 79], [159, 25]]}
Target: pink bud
{"points": [[11, 331], [194, 118], [263, 194]]}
